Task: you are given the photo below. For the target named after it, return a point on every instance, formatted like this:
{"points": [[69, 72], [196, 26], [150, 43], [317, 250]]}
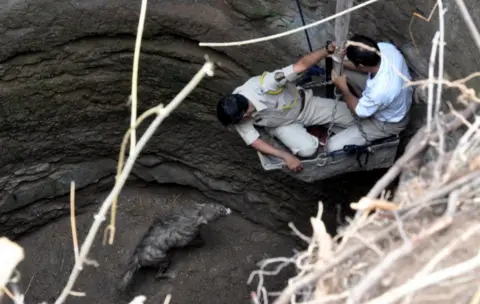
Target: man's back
{"points": [[385, 92]]}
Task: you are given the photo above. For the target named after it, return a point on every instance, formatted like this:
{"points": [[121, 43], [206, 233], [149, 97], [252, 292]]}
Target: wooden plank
{"points": [[341, 30]]}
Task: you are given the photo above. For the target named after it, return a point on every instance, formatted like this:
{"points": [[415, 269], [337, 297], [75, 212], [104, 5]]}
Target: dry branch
{"points": [[434, 278], [72, 220], [138, 300], [134, 100], [445, 252], [389, 261], [11, 254], [416, 145], [469, 21], [207, 69], [136, 59]]}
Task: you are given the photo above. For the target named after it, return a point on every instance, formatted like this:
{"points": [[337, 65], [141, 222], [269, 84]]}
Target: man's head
{"points": [[362, 57], [233, 108]]}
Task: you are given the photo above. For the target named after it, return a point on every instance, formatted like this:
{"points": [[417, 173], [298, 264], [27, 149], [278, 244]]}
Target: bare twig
{"points": [[72, 220], [368, 244], [7, 292], [476, 297], [10, 254], [167, 299], [431, 68], [415, 284], [469, 21], [329, 298], [133, 119], [438, 123], [370, 204], [437, 173], [30, 282], [321, 271], [445, 252], [298, 233], [373, 276], [441, 48], [400, 228], [139, 300], [467, 93], [417, 144], [443, 189], [136, 59], [121, 160], [207, 69], [423, 18], [77, 293]]}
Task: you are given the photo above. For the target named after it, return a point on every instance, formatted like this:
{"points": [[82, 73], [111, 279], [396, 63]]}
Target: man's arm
{"points": [[290, 160], [311, 59], [252, 138], [341, 83], [266, 148], [275, 80], [363, 107], [350, 99]]}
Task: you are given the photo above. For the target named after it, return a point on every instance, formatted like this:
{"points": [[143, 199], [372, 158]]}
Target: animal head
{"points": [[211, 211]]}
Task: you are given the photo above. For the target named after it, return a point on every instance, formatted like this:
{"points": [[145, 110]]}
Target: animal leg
{"points": [[162, 267]]}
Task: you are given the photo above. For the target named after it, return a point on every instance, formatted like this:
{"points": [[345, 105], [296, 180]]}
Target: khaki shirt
{"points": [[256, 91]]}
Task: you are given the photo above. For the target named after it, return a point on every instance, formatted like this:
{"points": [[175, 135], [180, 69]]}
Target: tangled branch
{"points": [[361, 263]]}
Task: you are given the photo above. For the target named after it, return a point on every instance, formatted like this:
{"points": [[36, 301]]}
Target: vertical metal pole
{"points": [[303, 23], [328, 70]]}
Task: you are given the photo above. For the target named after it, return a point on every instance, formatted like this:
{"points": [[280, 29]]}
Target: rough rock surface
{"points": [[217, 272], [65, 69]]}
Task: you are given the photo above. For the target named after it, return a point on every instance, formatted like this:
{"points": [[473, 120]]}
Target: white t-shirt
{"points": [[385, 96]]}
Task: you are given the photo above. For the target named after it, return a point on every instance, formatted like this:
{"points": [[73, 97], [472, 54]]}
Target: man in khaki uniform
{"points": [[273, 101]]}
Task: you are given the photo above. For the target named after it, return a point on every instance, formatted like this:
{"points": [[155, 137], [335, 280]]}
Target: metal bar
{"points": [[328, 73], [303, 23]]}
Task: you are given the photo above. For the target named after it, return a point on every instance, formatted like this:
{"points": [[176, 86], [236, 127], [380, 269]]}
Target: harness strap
{"points": [[285, 107], [358, 151], [269, 92]]}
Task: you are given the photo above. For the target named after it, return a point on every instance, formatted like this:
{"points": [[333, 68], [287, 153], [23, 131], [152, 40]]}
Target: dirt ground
{"points": [[215, 273]]}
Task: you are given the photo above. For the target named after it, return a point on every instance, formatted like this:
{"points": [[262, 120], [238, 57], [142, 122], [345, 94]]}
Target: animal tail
{"points": [[126, 280]]}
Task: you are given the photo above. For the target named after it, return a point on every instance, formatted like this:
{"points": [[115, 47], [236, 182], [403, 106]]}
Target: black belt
{"points": [[302, 99]]}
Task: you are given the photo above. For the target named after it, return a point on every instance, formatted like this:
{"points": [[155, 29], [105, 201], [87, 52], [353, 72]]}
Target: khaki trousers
{"points": [[318, 111]]}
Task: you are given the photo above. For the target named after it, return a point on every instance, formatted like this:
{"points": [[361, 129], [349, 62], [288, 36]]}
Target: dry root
{"points": [[423, 245]]}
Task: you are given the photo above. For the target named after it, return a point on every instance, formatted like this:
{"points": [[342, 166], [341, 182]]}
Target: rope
{"points": [[275, 36], [303, 23]]}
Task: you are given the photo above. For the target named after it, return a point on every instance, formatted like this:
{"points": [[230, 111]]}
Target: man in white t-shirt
{"points": [[379, 99], [273, 101]]}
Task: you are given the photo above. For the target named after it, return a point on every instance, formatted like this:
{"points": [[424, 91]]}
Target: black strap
{"points": [[303, 23], [358, 151]]}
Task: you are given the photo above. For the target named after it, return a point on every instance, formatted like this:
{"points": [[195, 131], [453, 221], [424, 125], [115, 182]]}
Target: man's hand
{"points": [[293, 163], [311, 59], [339, 81], [290, 160], [331, 47]]}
